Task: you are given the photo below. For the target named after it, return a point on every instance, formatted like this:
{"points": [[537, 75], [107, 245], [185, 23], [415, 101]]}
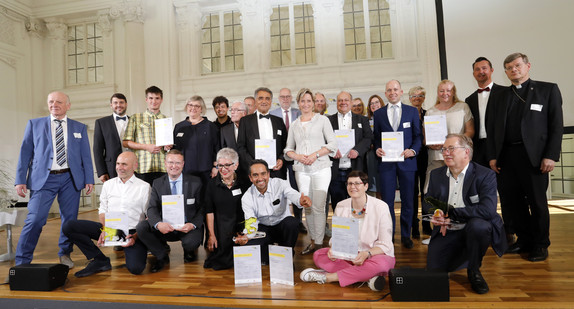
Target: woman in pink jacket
{"points": [[376, 251]]}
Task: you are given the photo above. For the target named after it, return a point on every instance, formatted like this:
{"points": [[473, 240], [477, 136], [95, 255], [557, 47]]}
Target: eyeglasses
{"points": [[450, 149], [420, 96], [356, 184], [227, 166], [173, 163], [511, 68], [285, 97], [193, 106], [236, 110]]}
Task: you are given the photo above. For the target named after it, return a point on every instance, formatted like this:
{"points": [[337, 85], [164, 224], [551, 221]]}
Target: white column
{"points": [[329, 35], [56, 57], [256, 29]]}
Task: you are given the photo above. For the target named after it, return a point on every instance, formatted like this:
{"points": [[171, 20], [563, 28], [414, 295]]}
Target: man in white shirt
{"points": [[469, 189], [125, 193], [267, 200], [479, 101]]}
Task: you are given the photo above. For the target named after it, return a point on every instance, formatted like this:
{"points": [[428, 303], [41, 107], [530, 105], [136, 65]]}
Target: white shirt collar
{"points": [[52, 118], [463, 172]]}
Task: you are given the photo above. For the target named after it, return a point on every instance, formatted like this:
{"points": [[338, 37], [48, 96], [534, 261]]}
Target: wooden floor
{"points": [[514, 282]]}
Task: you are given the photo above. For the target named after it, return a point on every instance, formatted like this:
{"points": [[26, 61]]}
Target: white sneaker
{"points": [[66, 260], [377, 283], [426, 241], [313, 275]]}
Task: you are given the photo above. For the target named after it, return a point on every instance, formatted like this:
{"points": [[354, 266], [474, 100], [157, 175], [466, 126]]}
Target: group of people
{"points": [[508, 136]]}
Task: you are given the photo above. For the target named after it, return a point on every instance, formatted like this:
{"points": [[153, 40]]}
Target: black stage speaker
{"points": [[417, 284], [38, 277]]}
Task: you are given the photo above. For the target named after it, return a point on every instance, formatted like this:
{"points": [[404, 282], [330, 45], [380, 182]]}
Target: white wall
{"points": [[494, 29]]}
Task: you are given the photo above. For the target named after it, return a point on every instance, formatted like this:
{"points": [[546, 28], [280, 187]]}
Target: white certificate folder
{"points": [[345, 240], [172, 210]]}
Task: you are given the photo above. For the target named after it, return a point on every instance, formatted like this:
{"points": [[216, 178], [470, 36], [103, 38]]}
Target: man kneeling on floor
{"points": [[125, 193], [470, 191]]}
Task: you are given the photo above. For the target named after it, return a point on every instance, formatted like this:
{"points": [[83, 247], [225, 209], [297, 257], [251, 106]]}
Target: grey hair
{"points": [[463, 141], [228, 153]]}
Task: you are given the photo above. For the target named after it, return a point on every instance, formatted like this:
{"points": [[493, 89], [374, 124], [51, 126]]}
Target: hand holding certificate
{"points": [[435, 129], [265, 149], [116, 229], [393, 145], [345, 141], [345, 240], [172, 210], [164, 131]]}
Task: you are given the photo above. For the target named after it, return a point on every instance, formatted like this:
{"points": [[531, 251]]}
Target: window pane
{"points": [[206, 66], [286, 58], [229, 63], [361, 51], [360, 35], [275, 43], [350, 52], [275, 59], [228, 48], [300, 56], [387, 50], [376, 50], [238, 63], [275, 27], [349, 37], [386, 34], [299, 40], [285, 42], [238, 47]]}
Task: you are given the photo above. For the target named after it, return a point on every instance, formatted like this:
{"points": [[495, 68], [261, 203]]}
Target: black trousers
{"points": [[82, 232], [524, 205], [338, 187], [479, 152], [155, 240], [285, 234], [459, 249]]}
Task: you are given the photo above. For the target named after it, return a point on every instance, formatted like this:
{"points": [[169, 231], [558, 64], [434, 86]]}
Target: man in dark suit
{"points": [[154, 232], [469, 190], [54, 160], [262, 125], [525, 138], [479, 102], [398, 117], [344, 163], [229, 132], [108, 136], [221, 106]]}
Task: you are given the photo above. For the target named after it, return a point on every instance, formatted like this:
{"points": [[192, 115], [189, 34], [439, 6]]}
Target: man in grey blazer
{"points": [[108, 136]]}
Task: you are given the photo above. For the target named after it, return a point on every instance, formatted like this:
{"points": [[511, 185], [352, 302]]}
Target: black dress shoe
{"points": [[538, 254], [159, 264], [416, 234], [477, 282], [118, 248], [515, 248], [95, 266], [407, 242], [189, 256]]}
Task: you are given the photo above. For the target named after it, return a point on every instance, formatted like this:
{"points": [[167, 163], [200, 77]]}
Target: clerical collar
{"points": [[523, 85]]}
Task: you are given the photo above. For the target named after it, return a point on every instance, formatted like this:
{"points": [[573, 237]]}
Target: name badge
{"points": [[406, 125], [78, 135], [190, 201], [536, 107], [180, 134], [236, 192], [360, 125], [279, 132], [474, 199]]}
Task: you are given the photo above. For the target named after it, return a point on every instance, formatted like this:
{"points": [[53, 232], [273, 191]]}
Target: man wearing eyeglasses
{"points": [[154, 232], [479, 102], [463, 233], [526, 140], [229, 132]]}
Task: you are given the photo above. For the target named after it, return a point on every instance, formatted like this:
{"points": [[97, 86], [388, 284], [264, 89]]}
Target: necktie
{"points": [[264, 116], [287, 119], [60, 147], [395, 117], [173, 187], [487, 89], [124, 118]]}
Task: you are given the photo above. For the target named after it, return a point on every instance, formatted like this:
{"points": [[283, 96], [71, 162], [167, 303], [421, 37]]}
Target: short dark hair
{"points": [[258, 161], [513, 57], [118, 95], [154, 89], [479, 59], [263, 89], [175, 152], [220, 99], [362, 175]]}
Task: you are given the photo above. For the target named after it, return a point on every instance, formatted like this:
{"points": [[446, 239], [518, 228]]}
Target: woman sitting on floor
{"points": [[376, 251]]}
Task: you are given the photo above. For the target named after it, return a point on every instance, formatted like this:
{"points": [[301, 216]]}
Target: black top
{"points": [[221, 125], [516, 107], [199, 144]]}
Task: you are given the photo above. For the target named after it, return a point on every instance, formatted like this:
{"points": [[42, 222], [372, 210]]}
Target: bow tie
{"points": [[487, 89], [124, 118], [264, 116]]}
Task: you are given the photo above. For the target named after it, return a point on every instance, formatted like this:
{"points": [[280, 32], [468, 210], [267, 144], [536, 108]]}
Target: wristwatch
{"points": [[317, 155]]}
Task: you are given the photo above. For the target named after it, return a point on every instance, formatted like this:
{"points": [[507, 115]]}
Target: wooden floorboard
{"points": [[514, 282]]}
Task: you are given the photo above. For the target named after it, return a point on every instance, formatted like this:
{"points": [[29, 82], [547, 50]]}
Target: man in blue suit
{"points": [[397, 117], [470, 191], [54, 160]]}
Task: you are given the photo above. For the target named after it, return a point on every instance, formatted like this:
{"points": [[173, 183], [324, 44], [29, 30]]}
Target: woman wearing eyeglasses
{"points": [[375, 102], [224, 215], [198, 139], [376, 252], [310, 141], [459, 120]]}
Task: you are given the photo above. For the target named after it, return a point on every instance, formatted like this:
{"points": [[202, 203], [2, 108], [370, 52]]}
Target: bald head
{"points": [[393, 91], [126, 164]]}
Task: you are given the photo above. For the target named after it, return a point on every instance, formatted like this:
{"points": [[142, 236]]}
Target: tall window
{"points": [[85, 54], [367, 30], [222, 42], [292, 35]]}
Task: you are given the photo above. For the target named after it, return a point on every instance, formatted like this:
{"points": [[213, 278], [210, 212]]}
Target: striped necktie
{"points": [[60, 146]]}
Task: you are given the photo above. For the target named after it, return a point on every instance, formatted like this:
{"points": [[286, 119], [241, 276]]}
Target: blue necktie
{"points": [[173, 187]]}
